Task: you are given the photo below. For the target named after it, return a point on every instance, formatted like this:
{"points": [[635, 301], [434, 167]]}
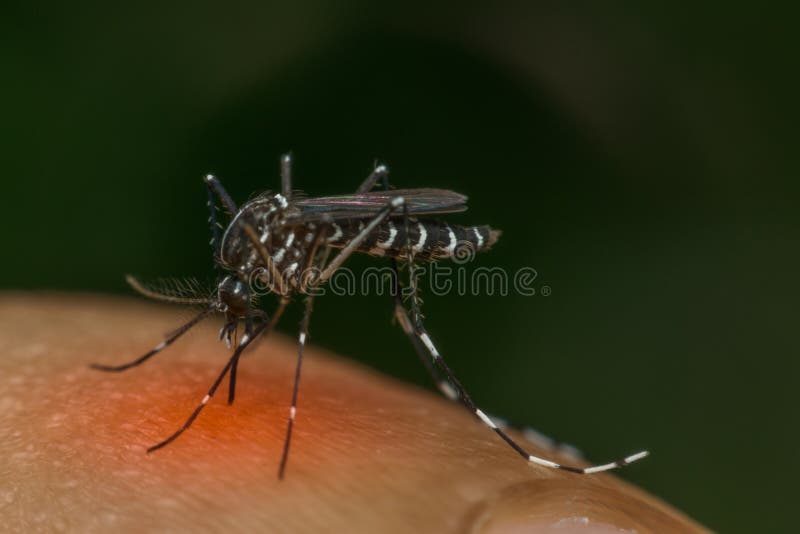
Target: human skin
{"points": [[369, 454]]}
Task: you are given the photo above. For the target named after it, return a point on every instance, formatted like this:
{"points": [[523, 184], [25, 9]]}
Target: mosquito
{"points": [[284, 241]]}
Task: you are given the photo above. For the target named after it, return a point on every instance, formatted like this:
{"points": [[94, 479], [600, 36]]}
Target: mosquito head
{"points": [[234, 296]]}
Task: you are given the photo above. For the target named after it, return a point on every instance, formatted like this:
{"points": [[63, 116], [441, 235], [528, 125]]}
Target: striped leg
{"points": [[245, 341], [276, 316], [293, 409], [215, 186], [466, 400], [405, 323], [158, 348], [460, 392], [382, 173], [379, 173]]}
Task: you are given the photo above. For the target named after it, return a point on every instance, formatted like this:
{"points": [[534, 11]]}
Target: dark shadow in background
{"points": [[638, 161]]}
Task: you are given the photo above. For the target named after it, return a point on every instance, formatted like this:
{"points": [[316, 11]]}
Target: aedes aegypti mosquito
{"points": [[284, 240]]}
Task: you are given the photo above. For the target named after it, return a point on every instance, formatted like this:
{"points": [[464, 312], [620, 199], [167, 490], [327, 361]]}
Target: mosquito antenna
{"points": [[163, 297]]}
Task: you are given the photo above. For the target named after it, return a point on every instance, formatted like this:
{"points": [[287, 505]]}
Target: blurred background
{"points": [[640, 158]]}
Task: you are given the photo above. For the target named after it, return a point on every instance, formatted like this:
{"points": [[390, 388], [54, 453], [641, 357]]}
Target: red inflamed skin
{"points": [[369, 454]]}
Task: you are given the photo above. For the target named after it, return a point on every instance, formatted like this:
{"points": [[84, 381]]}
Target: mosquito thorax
{"points": [[260, 213], [265, 218]]}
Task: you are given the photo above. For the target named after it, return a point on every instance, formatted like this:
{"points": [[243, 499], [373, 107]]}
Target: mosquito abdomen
{"points": [[428, 240]]}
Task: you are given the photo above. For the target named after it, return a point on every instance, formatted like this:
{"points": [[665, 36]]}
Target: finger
{"points": [[369, 454]]}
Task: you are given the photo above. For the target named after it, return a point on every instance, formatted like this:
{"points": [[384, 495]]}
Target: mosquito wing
{"points": [[419, 202]]}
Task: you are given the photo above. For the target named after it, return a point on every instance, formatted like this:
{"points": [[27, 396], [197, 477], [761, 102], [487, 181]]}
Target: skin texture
{"points": [[369, 454]]}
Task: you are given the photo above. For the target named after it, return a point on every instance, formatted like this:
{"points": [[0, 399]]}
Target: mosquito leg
{"points": [[214, 185], [466, 400], [276, 316], [245, 341], [212, 220], [412, 280], [310, 262], [248, 329], [402, 316], [286, 176], [158, 348], [381, 172], [293, 409], [405, 323], [228, 332], [393, 204]]}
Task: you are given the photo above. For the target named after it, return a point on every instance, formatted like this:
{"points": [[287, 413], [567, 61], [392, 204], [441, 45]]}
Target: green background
{"points": [[641, 158]]}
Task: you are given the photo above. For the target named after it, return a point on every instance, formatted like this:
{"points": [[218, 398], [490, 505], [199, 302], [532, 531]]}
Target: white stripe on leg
{"points": [[448, 390], [429, 345], [488, 422], [467, 402], [542, 461]]}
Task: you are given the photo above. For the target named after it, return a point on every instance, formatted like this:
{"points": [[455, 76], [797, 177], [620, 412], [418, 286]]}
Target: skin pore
{"points": [[369, 454]]}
